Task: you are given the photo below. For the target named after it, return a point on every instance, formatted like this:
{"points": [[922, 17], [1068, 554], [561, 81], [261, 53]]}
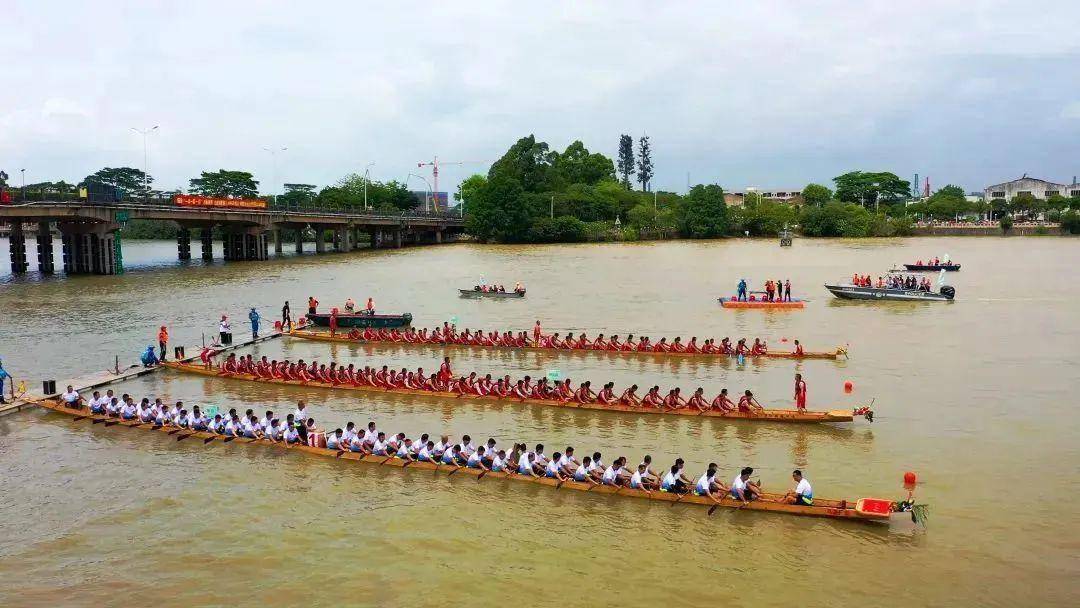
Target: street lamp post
{"points": [[23, 171], [273, 166], [427, 199], [367, 178], [146, 159]]}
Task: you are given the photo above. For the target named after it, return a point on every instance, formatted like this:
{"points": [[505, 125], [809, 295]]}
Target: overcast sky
{"points": [[768, 94]]}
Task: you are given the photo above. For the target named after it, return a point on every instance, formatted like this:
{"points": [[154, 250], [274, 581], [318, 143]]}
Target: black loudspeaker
{"points": [[48, 387]]}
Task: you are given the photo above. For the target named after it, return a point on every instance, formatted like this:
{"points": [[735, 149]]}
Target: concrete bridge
{"points": [[91, 246]]}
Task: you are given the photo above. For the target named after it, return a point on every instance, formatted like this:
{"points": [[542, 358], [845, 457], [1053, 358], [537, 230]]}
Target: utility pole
{"points": [[552, 206], [146, 160], [23, 171]]}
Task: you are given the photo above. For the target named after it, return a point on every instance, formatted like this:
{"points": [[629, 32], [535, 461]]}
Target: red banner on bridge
{"points": [[190, 200]]}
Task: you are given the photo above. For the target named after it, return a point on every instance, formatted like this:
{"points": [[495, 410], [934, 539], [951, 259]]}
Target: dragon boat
{"points": [[356, 337], [863, 510], [763, 415]]}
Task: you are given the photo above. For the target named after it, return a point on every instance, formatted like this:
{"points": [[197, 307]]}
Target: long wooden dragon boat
{"points": [[765, 415], [865, 509], [354, 338]]}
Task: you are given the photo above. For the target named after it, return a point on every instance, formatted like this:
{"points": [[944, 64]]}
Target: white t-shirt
{"points": [[704, 483], [609, 475], [668, 481], [635, 480], [738, 483], [553, 467], [804, 488], [497, 463], [474, 459], [371, 436], [424, 454], [70, 397]]}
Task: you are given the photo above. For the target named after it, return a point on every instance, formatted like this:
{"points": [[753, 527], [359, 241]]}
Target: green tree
{"points": [[835, 218], [1023, 204], [468, 189], [498, 213], [704, 213], [126, 178], [528, 162], [626, 159], [868, 188], [296, 196], [577, 165], [816, 194], [644, 163], [948, 202], [231, 184], [764, 218]]}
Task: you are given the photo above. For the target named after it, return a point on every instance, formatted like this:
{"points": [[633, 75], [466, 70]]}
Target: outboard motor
{"points": [[948, 291]]}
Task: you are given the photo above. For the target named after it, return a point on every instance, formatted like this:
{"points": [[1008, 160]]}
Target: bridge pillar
{"points": [[45, 249], [438, 236], [183, 243], [320, 239], [397, 239], [300, 240], [347, 238], [17, 242], [90, 249], [337, 240], [207, 238], [277, 241]]}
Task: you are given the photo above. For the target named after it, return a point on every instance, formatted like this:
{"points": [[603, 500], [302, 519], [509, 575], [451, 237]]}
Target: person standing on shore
{"points": [[225, 331], [162, 341], [286, 317], [254, 317]]}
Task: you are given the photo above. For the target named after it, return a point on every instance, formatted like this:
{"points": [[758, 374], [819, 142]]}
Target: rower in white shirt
{"points": [[379, 447], [334, 440], [467, 448], [97, 404], [267, 419], [707, 484], [292, 435], [525, 465], [742, 488], [71, 398], [370, 435], [476, 459], [419, 444], [440, 448], [498, 462], [196, 420], [802, 494], [112, 408], [128, 411], [553, 470], [349, 433], [426, 453], [232, 427]]}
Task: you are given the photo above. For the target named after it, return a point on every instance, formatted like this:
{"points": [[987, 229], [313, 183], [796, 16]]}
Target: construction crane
{"points": [[435, 164]]}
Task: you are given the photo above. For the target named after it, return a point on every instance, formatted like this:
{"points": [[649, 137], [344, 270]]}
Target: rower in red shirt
{"points": [[759, 348], [629, 396], [629, 344], [747, 403], [677, 345], [798, 349], [741, 348], [444, 370], [674, 401], [661, 346], [800, 393], [643, 346], [697, 400], [599, 343], [722, 403], [725, 346], [653, 398], [692, 346], [606, 396], [582, 342]]}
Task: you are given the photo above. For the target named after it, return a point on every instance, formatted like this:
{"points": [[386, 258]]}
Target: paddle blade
{"points": [[712, 509], [182, 437], [481, 475], [207, 440]]}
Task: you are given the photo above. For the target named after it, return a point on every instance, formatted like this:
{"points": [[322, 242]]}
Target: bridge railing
{"points": [[164, 202]]}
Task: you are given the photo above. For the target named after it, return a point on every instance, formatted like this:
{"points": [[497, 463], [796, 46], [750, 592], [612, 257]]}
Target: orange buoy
{"points": [[849, 386]]}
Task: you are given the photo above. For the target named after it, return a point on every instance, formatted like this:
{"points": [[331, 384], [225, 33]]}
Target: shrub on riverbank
{"points": [[1070, 222]]}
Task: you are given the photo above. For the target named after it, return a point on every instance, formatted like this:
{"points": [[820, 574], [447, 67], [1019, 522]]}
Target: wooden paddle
{"points": [[456, 469], [174, 431], [183, 437], [97, 420], [78, 418], [207, 440]]}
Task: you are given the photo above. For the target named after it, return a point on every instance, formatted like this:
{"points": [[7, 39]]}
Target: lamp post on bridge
{"points": [[367, 179], [427, 200], [273, 166], [146, 160]]}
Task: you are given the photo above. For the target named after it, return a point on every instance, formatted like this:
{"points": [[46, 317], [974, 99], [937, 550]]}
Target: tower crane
{"points": [[435, 164]]}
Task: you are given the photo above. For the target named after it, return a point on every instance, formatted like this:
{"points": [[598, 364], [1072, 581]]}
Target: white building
{"points": [[1038, 188]]}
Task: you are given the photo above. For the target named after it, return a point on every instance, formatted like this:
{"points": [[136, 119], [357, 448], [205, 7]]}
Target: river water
{"points": [[978, 397]]}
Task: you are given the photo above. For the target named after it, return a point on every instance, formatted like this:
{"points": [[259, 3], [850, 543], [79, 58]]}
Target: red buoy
{"points": [[909, 478], [848, 386]]}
